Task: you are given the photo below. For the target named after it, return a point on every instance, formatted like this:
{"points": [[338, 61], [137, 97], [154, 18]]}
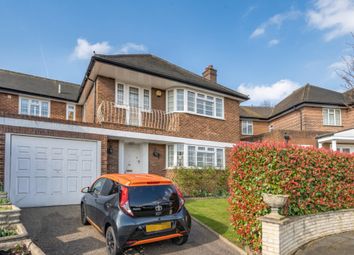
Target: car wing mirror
{"points": [[85, 190]]}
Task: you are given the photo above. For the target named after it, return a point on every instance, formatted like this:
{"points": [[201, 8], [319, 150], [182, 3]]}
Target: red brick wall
{"points": [[89, 107], [9, 103], [290, 121], [57, 110], [296, 137], [158, 103], [157, 165], [113, 158], [45, 132]]}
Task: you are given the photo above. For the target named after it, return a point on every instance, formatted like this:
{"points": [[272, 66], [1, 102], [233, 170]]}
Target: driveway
{"points": [[57, 230]]}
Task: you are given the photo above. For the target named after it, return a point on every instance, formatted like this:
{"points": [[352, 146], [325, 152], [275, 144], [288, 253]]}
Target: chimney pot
{"points": [[210, 73]]}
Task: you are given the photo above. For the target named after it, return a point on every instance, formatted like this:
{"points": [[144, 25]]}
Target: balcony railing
{"points": [[108, 112]]}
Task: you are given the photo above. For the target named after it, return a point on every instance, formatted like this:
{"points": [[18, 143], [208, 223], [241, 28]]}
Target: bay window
{"points": [[34, 107], [183, 155], [332, 117], [184, 100]]}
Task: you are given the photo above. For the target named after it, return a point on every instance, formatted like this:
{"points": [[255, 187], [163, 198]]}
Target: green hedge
{"points": [[207, 182], [317, 180]]}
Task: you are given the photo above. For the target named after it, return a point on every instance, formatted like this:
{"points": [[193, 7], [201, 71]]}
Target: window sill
{"points": [[197, 114], [332, 125]]}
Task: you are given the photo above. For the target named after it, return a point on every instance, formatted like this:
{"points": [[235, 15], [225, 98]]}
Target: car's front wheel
{"points": [[84, 215], [180, 240], [111, 242]]}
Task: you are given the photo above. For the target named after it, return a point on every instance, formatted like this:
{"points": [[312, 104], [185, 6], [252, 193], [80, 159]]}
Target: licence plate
{"points": [[158, 227]]}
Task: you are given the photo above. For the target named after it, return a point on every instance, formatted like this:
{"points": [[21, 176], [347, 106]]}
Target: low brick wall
{"points": [[285, 236]]}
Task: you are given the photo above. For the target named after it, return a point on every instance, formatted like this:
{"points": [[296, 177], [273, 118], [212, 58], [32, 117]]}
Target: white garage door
{"points": [[50, 171]]}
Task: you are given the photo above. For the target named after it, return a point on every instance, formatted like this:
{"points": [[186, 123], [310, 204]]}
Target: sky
{"points": [[265, 49]]}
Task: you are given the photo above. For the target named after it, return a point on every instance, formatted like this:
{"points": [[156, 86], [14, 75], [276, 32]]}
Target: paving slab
{"points": [[339, 244]]}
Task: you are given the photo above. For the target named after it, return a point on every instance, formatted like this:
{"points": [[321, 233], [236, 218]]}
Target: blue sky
{"points": [[262, 48]]}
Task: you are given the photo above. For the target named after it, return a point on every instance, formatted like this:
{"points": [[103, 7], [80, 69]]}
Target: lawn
{"points": [[214, 213]]}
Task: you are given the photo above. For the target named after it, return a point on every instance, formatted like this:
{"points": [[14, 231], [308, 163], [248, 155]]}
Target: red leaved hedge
{"points": [[316, 180]]}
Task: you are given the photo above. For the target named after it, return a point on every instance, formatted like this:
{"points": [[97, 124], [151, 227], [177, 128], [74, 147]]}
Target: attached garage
{"points": [[44, 171]]}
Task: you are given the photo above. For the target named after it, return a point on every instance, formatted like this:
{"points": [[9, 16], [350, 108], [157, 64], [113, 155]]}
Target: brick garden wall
{"points": [[281, 237]]}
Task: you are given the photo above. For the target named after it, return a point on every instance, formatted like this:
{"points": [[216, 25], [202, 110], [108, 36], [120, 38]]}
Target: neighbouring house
{"points": [[308, 114], [131, 114]]}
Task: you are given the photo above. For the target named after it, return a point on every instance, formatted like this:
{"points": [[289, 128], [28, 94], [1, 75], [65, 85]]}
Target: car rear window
{"points": [[143, 199]]}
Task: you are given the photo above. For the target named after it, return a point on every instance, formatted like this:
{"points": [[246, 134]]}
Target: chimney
{"points": [[210, 73]]}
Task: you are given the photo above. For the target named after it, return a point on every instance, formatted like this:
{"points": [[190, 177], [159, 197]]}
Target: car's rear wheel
{"points": [[83, 215], [111, 242], [180, 240]]}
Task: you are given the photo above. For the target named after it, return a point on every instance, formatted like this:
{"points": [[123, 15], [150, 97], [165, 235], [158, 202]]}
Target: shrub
{"points": [[316, 180], [7, 232], [201, 182]]}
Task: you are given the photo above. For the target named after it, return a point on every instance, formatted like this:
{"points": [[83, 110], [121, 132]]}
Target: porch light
{"points": [[110, 150], [158, 93], [155, 153], [286, 137]]}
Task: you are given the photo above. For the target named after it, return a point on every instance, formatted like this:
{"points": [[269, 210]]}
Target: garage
{"points": [[47, 171]]}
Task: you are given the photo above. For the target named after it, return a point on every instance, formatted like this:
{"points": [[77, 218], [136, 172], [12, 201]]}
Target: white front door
{"points": [[133, 158], [50, 171], [136, 158]]}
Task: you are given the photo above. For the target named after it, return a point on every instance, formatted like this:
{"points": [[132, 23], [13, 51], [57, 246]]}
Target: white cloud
{"points": [[276, 20], [132, 47], [334, 17], [84, 50], [273, 42], [272, 93]]}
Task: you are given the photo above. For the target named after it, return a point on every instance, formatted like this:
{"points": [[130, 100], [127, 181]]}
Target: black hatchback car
{"points": [[135, 209]]}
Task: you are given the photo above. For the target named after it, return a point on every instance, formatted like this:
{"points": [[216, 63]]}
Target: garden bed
{"points": [[12, 233], [24, 247]]}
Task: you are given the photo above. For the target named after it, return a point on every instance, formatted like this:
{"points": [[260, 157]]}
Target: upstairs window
{"points": [[332, 117], [132, 96], [247, 127], [70, 112], [34, 107], [183, 100]]}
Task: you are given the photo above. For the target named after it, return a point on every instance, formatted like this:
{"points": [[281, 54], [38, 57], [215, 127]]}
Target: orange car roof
{"points": [[138, 179]]}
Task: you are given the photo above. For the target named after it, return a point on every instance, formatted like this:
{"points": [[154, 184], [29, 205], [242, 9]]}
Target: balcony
{"points": [[108, 112]]}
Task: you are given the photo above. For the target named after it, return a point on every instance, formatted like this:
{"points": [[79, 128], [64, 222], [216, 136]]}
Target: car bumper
{"points": [[132, 231]]}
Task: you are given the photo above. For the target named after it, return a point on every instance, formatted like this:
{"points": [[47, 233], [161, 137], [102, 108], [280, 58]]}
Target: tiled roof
{"points": [[30, 84], [156, 66]]}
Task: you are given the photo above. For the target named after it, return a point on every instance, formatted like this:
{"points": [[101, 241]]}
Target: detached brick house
{"points": [[131, 114], [305, 116]]}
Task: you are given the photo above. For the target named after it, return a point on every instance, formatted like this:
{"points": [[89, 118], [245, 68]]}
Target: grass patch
{"points": [[214, 213]]}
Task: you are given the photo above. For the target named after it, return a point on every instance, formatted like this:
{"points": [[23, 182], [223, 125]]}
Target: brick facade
{"points": [[157, 164], [190, 125], [113, 156], [9, 103], [259, 127]]}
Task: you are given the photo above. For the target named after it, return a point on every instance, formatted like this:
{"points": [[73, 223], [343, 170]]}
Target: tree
{"points": [[347, 73]]}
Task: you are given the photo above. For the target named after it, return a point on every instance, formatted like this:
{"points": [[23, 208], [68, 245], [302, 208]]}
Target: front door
{"points": [[133, 159]]}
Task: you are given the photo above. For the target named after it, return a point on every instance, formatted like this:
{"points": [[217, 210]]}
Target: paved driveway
{"points": [[57, 230]]}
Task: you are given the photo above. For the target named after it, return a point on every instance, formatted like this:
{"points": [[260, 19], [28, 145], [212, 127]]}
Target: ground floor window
{"points": [[185, 155]]}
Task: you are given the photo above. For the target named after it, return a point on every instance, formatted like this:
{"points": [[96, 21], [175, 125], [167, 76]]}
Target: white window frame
{"points": [[326, 113], [185, 106], [186, 159], [68, 111], [126, 88], [29, 108], [247, 124]]}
